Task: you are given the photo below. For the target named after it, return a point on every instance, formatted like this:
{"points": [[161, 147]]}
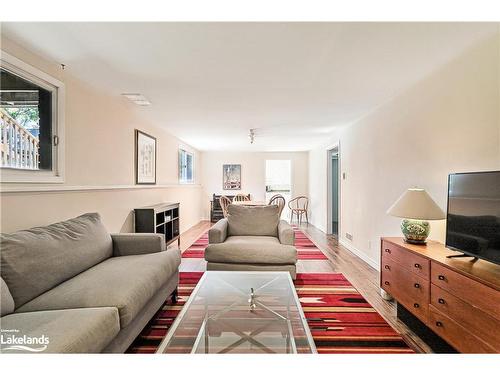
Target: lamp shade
{"points": [[416, 204]]}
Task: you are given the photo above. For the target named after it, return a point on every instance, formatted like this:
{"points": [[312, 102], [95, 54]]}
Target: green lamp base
{"points": [[415, 231]]}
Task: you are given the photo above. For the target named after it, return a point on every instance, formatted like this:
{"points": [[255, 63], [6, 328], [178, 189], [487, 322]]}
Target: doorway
{"points": [[333, 191], [279, 181]]}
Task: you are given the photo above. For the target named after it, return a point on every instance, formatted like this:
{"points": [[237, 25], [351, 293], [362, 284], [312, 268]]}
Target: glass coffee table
{"points": [[241, 312]]}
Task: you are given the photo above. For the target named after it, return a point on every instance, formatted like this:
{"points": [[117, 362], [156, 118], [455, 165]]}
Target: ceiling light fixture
{"points": [[138, 99], [251, 135]]}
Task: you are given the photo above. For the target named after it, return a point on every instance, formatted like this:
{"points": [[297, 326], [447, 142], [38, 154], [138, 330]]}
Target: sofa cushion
{"points": [[126, 282], [67, 331], [253, 220], [36, 260], [254, 250], [7, 303]]}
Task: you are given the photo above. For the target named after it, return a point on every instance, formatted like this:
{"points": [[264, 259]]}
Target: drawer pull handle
{"points": [[439, 324], [416, 305], [417, 265], [388, 251], [416, 285], [386, 282], [441, 277], [387, 267], [441, 301]]}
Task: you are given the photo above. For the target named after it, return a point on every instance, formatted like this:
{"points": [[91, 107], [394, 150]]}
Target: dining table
{"points": [[249, 203]]}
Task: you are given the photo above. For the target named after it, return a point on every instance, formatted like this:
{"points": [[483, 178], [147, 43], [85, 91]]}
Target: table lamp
{"points": [[415, 206]]}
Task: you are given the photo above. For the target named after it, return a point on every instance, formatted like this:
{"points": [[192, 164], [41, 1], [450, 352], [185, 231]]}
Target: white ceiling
{"points": [[209, 83]]}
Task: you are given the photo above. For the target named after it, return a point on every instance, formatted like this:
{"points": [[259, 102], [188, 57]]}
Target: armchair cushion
{"points": [[218, 232], [253, 220], [251, 250], [137, 243], [286, 234]]}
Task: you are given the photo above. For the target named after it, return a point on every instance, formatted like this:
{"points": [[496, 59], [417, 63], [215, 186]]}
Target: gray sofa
{"points": [[85, 290], [252, 238]]}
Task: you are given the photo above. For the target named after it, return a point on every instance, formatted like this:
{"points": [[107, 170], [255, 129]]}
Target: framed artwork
{"points": [[231, 176], [145, 159]]}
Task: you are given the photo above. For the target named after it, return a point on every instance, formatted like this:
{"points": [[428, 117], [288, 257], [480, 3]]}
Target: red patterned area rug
{"points": [[340, 319], [306, 249]]}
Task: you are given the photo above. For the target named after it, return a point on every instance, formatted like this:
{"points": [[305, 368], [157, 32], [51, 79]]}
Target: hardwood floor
{"points": [[360, 274]]}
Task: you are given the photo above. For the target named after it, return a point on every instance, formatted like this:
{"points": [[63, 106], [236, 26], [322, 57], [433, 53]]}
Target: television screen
{"points": [[473, 218]]}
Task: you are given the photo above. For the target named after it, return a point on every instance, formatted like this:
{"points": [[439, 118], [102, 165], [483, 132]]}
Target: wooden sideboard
{"points": [[458, 299]]}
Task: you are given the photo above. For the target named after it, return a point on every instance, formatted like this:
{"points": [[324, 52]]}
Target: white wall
{"points": [[100, 152], [318, 186], [448, 122], [253, 173]]}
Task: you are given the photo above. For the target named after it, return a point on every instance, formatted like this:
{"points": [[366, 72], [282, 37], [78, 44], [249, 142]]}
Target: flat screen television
{"points": [[473, 216]]}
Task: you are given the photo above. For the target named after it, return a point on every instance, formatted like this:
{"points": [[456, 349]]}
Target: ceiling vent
{"points": [[138, 99]]}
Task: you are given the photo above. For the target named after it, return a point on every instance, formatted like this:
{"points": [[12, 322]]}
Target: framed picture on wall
{"points": [[145, 158], [231, 176]]}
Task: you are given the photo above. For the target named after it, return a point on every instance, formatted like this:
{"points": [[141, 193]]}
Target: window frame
{"points": [[182, 181], [57, 89]]}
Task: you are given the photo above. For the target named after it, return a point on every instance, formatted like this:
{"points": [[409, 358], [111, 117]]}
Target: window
{"points": [[186, 167], [31, 123]]}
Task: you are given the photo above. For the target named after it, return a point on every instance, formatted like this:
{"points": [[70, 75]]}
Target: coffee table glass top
{"points": [[241, 312]]}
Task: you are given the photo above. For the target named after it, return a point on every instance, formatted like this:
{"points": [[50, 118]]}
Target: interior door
{"points": [[335, 194]]}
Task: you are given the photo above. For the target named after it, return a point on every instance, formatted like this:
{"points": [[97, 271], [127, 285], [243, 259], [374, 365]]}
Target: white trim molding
{"points": [[57, 88], [58, 188], [360, 254]]}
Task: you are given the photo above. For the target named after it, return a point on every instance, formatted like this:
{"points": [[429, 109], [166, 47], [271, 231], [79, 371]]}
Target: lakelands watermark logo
{"points": [[13, 340]]}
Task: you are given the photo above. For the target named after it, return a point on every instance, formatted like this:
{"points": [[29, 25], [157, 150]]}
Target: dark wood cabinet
{"points": [[456, 299], [160, 218]]}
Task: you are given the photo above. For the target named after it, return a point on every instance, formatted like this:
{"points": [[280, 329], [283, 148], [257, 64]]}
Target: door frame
{"points": [[292, 176], [333, 148]]}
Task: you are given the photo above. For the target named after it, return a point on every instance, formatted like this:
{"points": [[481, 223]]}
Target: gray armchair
{"points": [[252, 238]]}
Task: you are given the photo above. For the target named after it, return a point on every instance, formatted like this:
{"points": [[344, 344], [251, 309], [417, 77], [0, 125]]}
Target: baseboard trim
{"points": [[360, 254]]}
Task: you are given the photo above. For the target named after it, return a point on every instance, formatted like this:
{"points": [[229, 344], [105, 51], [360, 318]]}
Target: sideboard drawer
{"points": [[471, 291], [411, 261], [411, 290], [474, 320], [456, 335]]}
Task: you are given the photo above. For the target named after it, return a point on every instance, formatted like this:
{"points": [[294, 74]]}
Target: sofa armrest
{"points": [[286, 235], [137, 243], [218, 233]]}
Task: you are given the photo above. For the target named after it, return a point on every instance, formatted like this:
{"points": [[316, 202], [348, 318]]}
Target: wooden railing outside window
{"points": [[19, 148]]}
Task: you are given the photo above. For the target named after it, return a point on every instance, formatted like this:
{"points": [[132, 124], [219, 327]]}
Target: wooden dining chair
{"points": [[241, 198], [278, 200], [299, 206], [224, 202]]}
